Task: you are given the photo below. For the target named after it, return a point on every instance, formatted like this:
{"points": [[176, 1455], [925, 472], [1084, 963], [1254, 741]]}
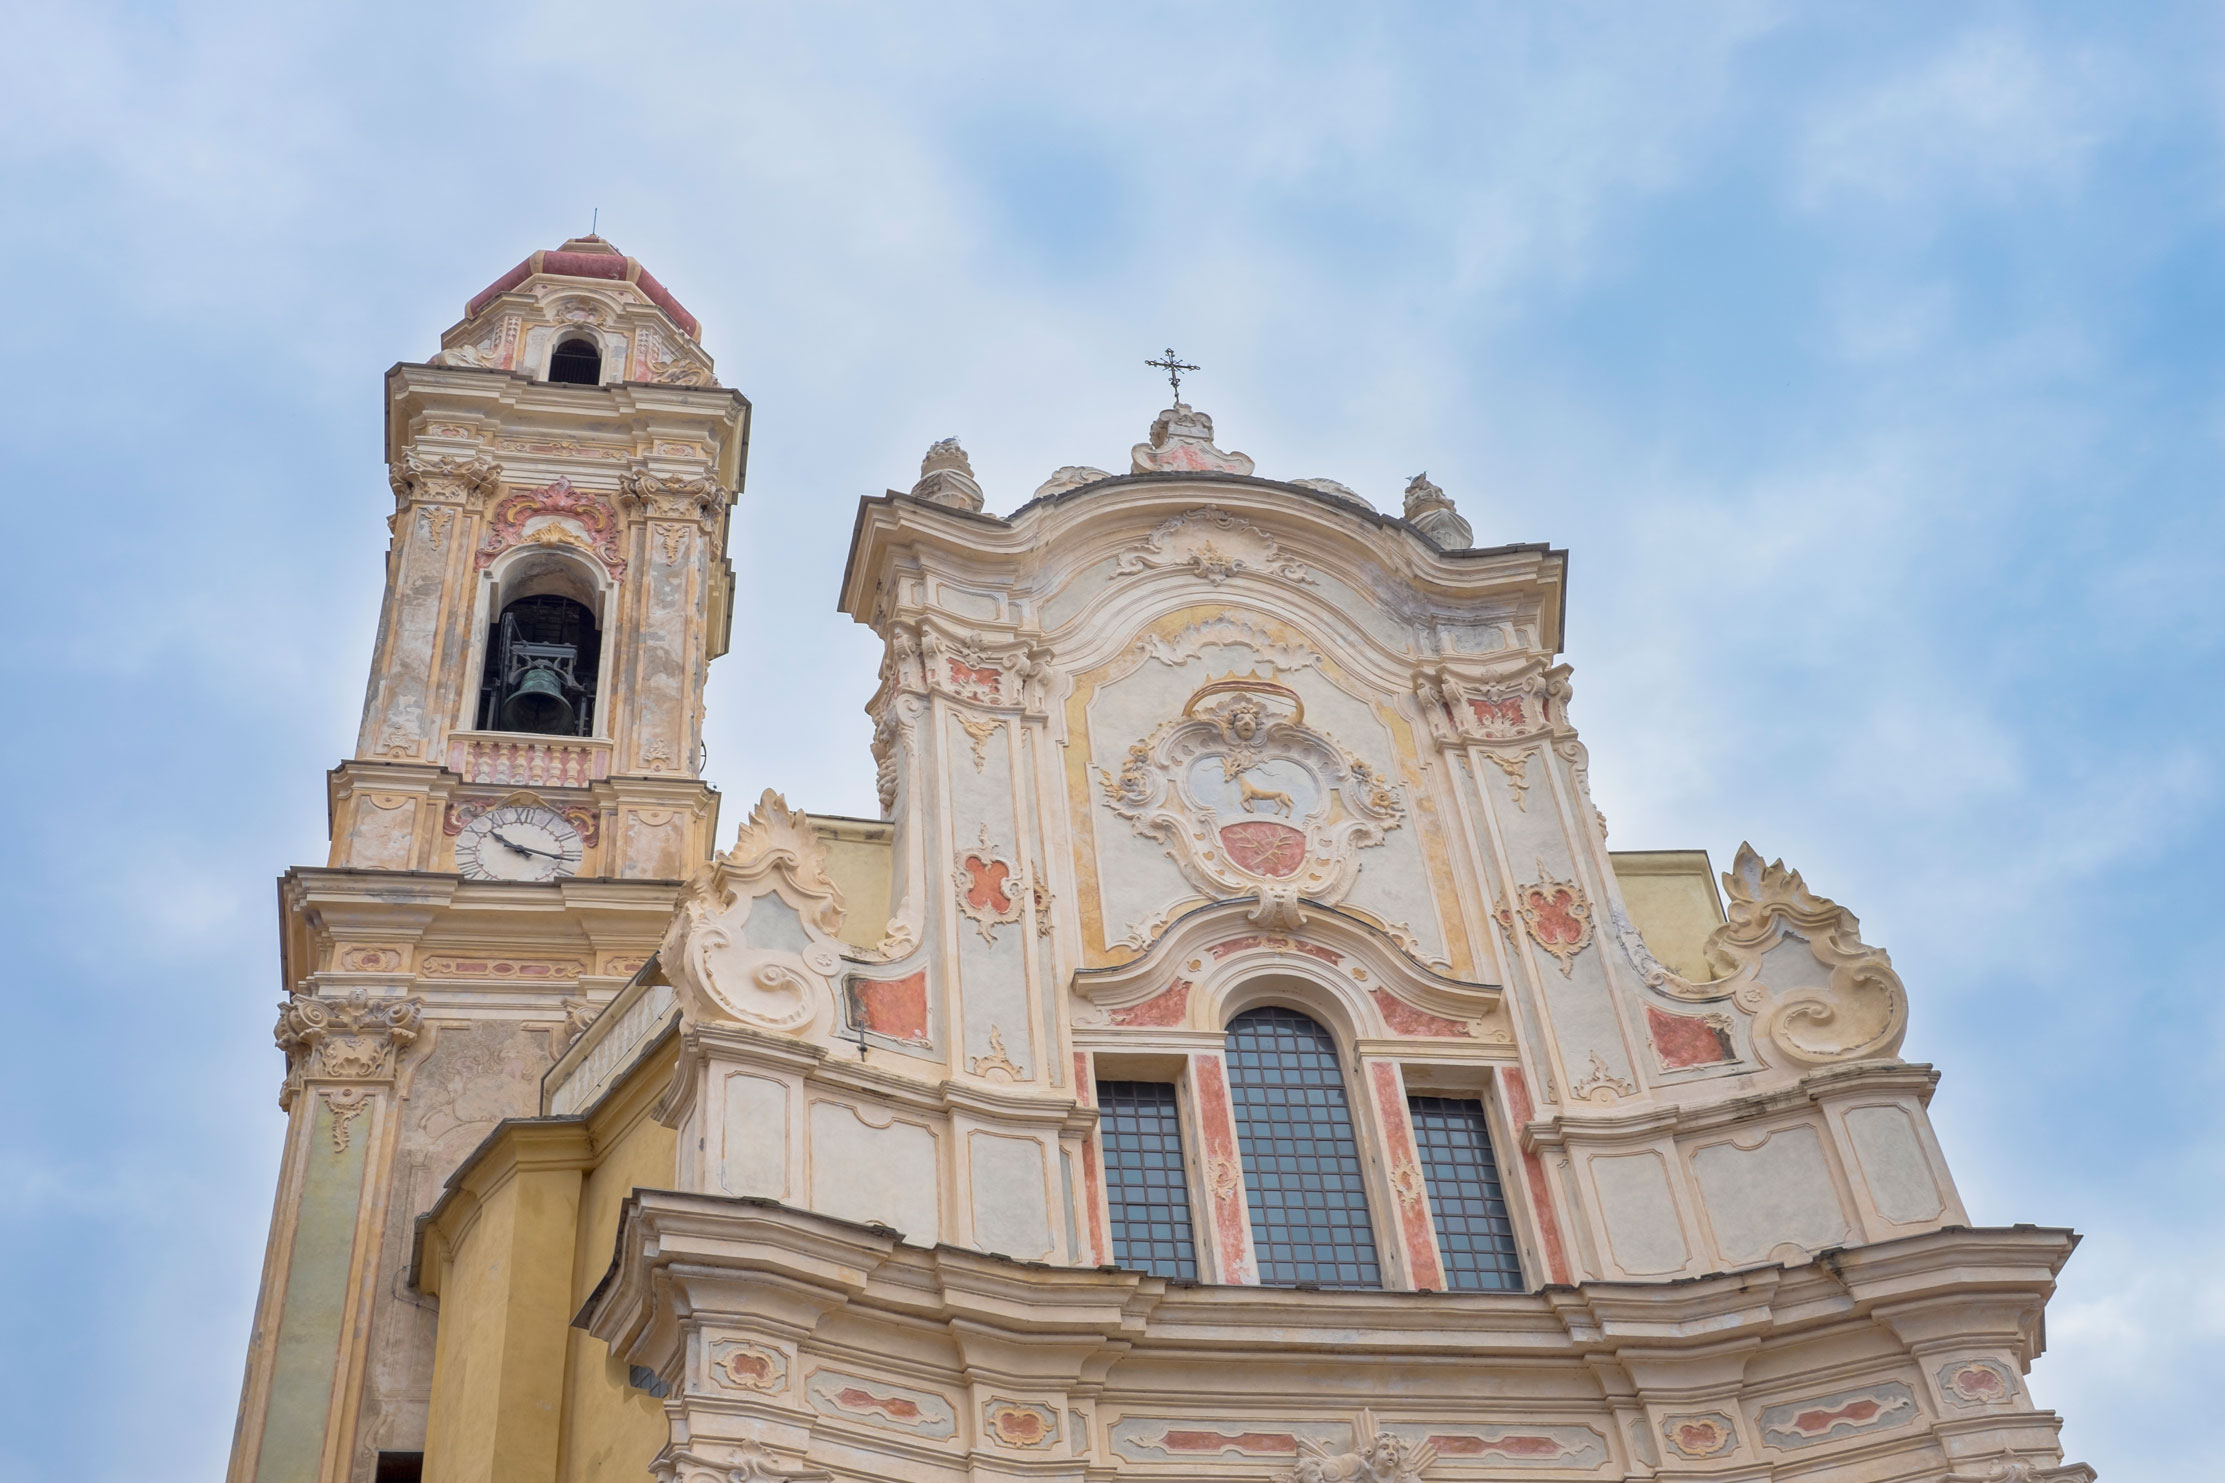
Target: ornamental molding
{"points": [[1247, 799], [1210, 953], [353, 1038], [1797, 963], [1211, 543], [754, 936], [553, 515]]}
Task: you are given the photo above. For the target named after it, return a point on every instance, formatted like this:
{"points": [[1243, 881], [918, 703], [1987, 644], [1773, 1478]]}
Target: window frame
{"points": [[1229, 1255], [1367, 1132], [1185, 1146]]}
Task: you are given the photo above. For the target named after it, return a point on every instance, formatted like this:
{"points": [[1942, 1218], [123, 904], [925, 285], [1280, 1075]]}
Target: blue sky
{"points": [[1865, 357]]}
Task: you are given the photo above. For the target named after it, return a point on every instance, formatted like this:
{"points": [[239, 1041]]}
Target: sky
{"points": [[1865, 357]]}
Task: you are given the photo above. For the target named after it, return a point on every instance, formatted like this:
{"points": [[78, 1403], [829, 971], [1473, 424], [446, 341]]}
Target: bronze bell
{"points": [[538, 704]]}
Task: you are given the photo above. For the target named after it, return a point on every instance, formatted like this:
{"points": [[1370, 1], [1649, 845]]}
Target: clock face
{"points": [[518, 842]]}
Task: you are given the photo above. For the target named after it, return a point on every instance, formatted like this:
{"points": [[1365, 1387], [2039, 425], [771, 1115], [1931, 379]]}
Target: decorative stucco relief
{"points": [[1827, 1418], [990, 892], [1700, 1435], [1977, 1382], [1797, 963], [1021, 1425], [1182, 442], [464, 808], [1212, 544], [1557, 915], [881, 1404], [1513, 701], [1377, 1456], [554, 514], [1575, 1447], [1193, 640], [747, 1366], [972, 669], [754, 936], [978, 730], [1247, 798]]}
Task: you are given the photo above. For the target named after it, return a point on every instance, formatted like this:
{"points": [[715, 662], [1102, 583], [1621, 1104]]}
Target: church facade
{"points": [[1234, 1053]]}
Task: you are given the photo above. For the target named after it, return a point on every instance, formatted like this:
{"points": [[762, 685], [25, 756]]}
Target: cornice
{"points": [[886, 522], [516, 400], [1733, 1104], [707, 1241], [514, 1146]]}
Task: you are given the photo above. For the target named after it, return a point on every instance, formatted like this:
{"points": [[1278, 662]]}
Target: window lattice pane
{"points": [[1474, 1235], [1302, 1174], [1144, 1187]]}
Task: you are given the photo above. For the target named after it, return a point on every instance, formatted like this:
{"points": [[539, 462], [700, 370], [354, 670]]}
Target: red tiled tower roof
{"points": [[590, 257]]}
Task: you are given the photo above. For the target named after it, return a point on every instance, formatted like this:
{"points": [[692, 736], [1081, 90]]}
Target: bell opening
{"points": [[576, 363], [541, 669]]}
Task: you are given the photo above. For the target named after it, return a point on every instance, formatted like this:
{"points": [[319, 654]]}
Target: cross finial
{"points": [[1174, 369]]}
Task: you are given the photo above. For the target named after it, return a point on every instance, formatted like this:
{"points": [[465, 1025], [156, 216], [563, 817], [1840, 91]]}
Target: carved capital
{"points": [[645, 494], [352, 1038], [432, 478]]}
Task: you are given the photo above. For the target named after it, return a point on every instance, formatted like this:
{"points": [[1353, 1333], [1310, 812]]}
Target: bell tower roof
{"points": [[582, 313], [589, 257]]}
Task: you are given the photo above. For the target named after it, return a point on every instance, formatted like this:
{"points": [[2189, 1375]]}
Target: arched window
{"points": [[541, 667], [1302, 1175], [576, 362]]}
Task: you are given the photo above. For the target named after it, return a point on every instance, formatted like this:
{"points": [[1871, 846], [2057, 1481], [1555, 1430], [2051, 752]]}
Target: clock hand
{"points": [[525, 849]]}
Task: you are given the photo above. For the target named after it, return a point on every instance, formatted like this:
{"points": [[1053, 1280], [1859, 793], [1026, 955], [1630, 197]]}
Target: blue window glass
{"points": [[1474, 1235], [1144, 1188], [1302, 1174]]}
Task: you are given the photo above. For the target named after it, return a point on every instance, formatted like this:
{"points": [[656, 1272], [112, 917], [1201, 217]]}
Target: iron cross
{"points": [[1174, 369]]}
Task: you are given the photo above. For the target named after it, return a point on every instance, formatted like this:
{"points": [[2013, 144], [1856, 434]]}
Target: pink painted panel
{"points": [[1519, 1111], [1407, 1183], [1224, 1167]]}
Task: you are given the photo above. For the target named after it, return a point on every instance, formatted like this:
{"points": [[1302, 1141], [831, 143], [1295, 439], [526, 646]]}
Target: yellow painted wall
{"points": [[1672, 899], [512, 1250], [611, 1430], [505, 1291], [860, 862]]}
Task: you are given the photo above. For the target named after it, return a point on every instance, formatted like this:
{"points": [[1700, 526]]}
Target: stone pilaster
{"points": [[297, 1408]]}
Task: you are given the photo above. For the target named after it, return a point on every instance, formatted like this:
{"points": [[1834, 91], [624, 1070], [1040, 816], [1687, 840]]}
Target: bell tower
{"points": [[558, 580], [524, 798]]}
